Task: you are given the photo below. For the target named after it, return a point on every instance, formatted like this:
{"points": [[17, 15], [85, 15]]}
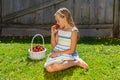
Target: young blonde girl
{"points": [[64, 42]]}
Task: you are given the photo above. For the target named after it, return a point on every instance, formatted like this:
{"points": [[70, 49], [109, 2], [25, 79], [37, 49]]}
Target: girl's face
{"points": [[60, 21]]}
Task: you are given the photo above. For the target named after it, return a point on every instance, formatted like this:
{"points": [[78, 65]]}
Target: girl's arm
{"points": [[54, 36], [72, 48]]}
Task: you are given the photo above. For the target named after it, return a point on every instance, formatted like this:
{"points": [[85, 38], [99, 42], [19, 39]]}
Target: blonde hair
{"points": [[64, 12]]}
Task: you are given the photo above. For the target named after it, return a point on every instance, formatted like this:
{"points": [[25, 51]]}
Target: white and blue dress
{"points": [[64, 43]]}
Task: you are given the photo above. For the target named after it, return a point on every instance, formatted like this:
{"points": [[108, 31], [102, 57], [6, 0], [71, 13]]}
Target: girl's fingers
{"points": [[53, 30]]}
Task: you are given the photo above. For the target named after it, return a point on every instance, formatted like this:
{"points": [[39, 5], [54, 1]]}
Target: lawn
{"points": [[102, 55]]}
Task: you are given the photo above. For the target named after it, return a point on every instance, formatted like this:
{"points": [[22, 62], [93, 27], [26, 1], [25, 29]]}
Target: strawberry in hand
{"points": [[57, 26]]}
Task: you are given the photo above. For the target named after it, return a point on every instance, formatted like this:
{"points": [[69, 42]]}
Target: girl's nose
{"points": [[57, 23]]}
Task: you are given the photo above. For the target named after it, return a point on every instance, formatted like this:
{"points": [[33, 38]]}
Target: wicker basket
{"points": [[37, 55]]}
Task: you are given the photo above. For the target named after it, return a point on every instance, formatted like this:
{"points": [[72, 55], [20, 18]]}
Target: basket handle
{"points": [[34, 38]]}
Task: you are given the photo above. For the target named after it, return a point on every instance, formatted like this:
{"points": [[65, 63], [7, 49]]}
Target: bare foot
{"points": [[81, 63]]}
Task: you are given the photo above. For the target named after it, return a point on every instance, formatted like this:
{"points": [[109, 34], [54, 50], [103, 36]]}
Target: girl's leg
{"points": [[61, 66], [66, 64]]}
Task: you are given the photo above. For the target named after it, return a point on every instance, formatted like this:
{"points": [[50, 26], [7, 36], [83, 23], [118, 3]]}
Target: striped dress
{"points": [[64, 43]]}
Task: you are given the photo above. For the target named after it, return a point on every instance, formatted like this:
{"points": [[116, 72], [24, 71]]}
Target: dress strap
{"points": [[75, 28]]}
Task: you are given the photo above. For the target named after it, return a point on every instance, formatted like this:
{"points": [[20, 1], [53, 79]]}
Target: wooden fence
{"points": [[116, 22], [92, 17]]}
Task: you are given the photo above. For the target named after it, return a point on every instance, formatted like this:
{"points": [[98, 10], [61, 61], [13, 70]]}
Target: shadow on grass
{"points": [[35, 61], [55, 75], [85, 40], [60, 75]]}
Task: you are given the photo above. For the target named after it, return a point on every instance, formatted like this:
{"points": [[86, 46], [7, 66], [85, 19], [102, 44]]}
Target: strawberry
{"points": [[57, 26], [37, 48], [34, 49]]}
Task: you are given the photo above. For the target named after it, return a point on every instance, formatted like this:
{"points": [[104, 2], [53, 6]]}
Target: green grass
{"points": [[102, 55]]}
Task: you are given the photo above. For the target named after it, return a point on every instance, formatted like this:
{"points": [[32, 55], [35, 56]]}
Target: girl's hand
{"points": [[53, 55], [53, 30]]}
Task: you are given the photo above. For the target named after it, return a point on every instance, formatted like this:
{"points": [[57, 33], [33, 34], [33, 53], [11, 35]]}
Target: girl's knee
{"points": [[49, 69], [53, 68]]}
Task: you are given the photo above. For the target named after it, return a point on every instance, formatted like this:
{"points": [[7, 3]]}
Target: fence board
{"points": [[39, 17], [92, 12], [85, 11], [0, 16], [119, 19], [60, 5], [101, 11], [28, 19], [116, 19], [0, 10], [77, 11], [47, 14], [30, 30], [96, 11], [7, 8], [96, 33], [109, 11], [97, 26], [69, 5]]}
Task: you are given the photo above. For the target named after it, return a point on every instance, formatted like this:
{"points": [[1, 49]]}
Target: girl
{"points": [[64, 41]]}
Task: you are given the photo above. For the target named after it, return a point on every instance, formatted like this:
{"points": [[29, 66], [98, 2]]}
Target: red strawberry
{"points": [[37, 48], [34, 49], [41, 48], [57, 26]]}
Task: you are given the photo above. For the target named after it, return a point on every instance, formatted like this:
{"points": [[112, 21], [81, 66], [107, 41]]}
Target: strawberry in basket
{"points": [[37, 48], [57, 26]]}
